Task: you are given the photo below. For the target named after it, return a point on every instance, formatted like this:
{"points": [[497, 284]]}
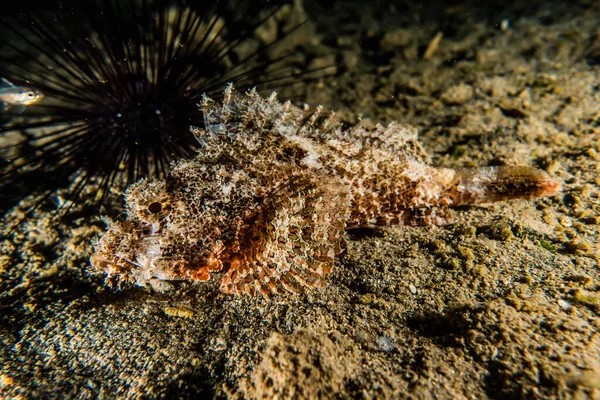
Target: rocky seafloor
{"points": [[503, 303]]}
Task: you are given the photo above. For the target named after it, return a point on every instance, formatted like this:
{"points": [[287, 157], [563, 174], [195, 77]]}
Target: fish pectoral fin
{"points": [[290, 240]]}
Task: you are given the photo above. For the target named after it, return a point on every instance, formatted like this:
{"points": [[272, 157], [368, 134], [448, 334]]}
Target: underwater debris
{"points": [[272, 190], [433, 46]]}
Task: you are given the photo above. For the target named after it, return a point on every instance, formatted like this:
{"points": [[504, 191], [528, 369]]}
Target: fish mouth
{"points": [[106, 265], [139, 272]]}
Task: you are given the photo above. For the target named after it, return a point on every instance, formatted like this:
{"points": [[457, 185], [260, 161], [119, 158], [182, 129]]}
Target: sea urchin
{"points": [[122, 81]]}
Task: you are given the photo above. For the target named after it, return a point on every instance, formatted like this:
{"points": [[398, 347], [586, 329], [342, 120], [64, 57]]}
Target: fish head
{"points": [[164, 237], [28, 96]]}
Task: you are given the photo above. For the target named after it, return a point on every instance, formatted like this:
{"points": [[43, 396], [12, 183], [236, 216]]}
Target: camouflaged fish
{"points": [[270, 194]]}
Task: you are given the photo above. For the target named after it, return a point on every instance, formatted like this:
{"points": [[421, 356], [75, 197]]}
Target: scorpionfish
{"points": [[270, 194]]}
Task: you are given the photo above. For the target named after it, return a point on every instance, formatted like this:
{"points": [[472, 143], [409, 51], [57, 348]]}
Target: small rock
{"points": [[349, 59], [459, 94], [588, 379], [219, 344], [564, 304], [587, 298], [579, 247], [325, 62], [386, 344], [394, 39]]}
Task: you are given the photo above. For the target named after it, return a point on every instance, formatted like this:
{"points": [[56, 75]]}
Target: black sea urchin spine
{"points": [[122, 80]]}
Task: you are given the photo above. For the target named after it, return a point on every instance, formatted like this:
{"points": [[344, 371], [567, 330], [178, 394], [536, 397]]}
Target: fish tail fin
{"points": [[492, 184]]}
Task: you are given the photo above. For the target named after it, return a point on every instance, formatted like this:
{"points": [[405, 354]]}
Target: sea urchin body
{"points": [[122, 80]]}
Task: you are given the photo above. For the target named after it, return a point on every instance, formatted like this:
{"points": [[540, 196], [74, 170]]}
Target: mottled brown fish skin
{"points": [[274, 187]]}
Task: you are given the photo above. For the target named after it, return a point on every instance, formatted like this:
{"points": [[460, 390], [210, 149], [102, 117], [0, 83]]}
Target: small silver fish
{"points": [[17, 97]]}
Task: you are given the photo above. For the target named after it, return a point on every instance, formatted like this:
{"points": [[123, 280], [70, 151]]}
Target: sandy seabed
{"points": [[503, 303]]}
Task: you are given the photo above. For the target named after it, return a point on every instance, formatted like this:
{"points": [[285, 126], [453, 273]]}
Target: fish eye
{"points": [[155, 208]]}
